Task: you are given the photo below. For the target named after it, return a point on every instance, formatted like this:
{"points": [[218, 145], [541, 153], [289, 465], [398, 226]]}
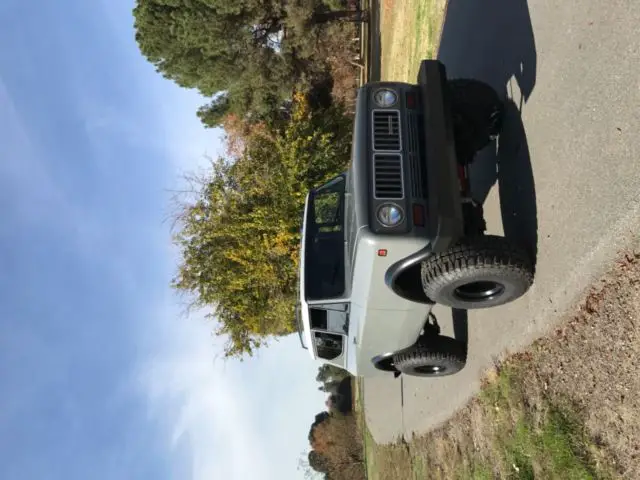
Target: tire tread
{"points": [[444, 350], [489, 253]]}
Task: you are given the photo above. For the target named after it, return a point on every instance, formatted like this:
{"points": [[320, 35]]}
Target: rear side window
{"points": [[332, 317], [328, 345], [318, 318], [325, 266]]}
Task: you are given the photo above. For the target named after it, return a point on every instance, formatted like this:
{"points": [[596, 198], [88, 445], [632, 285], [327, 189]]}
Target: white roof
{"points": [[304, 310]]}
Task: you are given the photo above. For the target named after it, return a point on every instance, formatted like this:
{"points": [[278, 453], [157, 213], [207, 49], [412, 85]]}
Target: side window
{"points": [[318, 318], [328, 206], [327, 212], [325, 247], [332, 317], [328, 345]]}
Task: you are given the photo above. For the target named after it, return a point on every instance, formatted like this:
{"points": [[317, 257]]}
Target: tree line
{"points": [[246, 56], [335, 440], [278, 80]]}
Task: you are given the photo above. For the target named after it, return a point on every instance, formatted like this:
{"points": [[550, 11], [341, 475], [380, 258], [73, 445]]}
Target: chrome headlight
{"points": [[390, 215], [385, 98]]}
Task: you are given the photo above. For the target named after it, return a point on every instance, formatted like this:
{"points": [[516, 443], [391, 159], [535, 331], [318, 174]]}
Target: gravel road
{"points": [[569, 174]]}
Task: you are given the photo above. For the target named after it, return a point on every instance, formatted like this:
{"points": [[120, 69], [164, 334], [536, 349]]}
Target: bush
{"points": [[338, 449]]}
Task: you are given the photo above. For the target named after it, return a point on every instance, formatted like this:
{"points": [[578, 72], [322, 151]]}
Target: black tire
{"points": [[478, 272], [478, 114], [437, 357]]}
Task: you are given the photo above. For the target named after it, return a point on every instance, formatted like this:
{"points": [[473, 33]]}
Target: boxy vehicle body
{"points": [[398, 231]]}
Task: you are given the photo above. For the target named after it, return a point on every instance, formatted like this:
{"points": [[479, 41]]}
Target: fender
{"points": [[411, 288]]}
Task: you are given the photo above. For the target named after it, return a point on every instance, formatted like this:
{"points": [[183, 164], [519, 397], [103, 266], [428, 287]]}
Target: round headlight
{"points": [[390, 215], [385, 98]]}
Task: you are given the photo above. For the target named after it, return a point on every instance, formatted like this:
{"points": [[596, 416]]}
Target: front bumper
{"points": [[444, 203]]}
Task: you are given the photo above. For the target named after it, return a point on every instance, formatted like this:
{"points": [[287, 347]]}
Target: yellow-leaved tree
{"points": [[240, 238]]}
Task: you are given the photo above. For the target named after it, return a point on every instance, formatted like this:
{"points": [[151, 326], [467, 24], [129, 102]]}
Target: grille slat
{"points": [[386, 130], [387, 176], [413, 151]]}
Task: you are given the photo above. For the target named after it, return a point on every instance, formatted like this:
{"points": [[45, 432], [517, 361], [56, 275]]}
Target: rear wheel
{"points": [[478, 272], [437, 357], [477, 113]]}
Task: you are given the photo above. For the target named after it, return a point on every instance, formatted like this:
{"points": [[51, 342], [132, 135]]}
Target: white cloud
{"points": [[200, 403], [31, 188], [186, 141], [39, 201], [20, 164], [229, 420]]}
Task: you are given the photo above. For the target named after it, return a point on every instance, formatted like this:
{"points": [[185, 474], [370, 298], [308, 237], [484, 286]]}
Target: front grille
{"points": [[387, 176], [413, 152], [386, 130]]}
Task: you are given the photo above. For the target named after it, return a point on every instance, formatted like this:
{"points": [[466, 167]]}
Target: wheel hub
{"points": [[479, 291], [430, 369]]}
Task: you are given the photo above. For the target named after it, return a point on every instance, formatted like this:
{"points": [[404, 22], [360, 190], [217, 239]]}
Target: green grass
{"points": [[410, 31], [546, 441], [519, 434], [419, 467], [370, 448], [368, 442]]}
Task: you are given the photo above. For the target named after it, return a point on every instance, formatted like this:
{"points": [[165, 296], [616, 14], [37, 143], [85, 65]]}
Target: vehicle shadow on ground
{"points": [[489, 40], [493, 41], [509, 164]]}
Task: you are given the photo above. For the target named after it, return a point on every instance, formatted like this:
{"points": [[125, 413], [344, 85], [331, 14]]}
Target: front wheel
{"points": [[437, 357], [477, 116], [477, 272]]}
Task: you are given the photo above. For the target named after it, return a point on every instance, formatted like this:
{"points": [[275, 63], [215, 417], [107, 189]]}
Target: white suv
{"points": [[399, 232]]}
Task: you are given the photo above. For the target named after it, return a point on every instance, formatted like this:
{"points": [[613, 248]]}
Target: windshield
{"points": [[324, 249]]}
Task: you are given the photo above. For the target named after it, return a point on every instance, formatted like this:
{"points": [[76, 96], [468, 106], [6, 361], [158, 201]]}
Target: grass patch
{"points": [[537, 439], [504, 433], [410, 31], [369, 445], [371, 455]]}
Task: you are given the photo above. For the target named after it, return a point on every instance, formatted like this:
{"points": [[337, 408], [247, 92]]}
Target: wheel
{"points": [[478, 272], [478, 113], [437, 357]]}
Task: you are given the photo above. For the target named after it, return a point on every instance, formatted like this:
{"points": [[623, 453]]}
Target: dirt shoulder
{"points": [[567, 407]]}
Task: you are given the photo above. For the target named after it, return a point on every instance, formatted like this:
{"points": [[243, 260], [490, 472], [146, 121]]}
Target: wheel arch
{"points": [[405, 280], [384, 362]]}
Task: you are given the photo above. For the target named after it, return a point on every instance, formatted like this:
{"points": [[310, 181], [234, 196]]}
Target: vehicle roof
{"points": [[304, 306]]}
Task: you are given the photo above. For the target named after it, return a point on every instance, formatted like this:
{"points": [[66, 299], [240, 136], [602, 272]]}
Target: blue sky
{"points": [[102, 374]]}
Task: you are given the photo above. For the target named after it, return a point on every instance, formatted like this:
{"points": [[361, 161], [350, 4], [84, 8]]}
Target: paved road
{"points": [[569, 173]]}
